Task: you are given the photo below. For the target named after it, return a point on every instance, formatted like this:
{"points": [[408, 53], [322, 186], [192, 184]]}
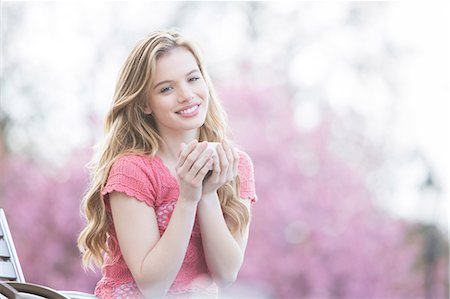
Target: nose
{"points": [[185, 93]]}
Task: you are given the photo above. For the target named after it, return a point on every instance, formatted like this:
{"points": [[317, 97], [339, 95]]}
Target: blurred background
{"points": [[342, 106]]}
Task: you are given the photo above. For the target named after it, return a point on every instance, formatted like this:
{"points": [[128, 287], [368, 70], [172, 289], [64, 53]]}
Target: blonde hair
{"points": [[129, 130]]}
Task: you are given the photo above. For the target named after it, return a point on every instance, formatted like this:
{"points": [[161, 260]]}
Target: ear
{"points": [[147, 110]]}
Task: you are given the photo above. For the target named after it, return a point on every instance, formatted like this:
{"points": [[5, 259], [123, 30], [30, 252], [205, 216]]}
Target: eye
{"points": [[165, 89], [193, 79]]}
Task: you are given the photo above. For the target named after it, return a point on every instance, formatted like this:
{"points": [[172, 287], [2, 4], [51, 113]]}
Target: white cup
{"points": [[213, 146]]}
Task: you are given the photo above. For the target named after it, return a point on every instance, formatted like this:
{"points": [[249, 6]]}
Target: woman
{"points": [[166, 215]]}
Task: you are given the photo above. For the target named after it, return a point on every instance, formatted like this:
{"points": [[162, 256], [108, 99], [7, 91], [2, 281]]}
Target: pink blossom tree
{"points": [[316, 232], [42, 209]]}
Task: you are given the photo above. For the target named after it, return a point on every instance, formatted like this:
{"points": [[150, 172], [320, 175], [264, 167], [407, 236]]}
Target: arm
{"points": [[224, 252], [154, 261]]}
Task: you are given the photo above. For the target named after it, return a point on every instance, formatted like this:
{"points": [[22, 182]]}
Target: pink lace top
{"points": [[148, 179]]}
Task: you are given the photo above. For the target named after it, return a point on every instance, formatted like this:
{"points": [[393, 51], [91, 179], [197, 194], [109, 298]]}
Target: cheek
{"points": [[160, 107], [205, 92]]}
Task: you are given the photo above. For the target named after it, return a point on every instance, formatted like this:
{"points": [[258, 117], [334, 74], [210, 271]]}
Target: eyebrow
{"points": [[169, 81]]}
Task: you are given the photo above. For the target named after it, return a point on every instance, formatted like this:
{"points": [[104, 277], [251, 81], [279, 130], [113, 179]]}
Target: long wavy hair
{"points": [[129, 130]]}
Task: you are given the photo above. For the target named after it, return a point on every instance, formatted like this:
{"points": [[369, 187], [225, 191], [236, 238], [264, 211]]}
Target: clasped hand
{"points": [[194, 163]]}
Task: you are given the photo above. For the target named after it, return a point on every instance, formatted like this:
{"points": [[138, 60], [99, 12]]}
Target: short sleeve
{"points": [[132, 176], [247, 177]]}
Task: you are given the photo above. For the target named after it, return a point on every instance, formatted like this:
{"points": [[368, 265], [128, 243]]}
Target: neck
{"points": [[171, 145]]}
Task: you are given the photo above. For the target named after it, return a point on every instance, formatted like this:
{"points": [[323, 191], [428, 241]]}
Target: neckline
{"points": [[166, 169]]}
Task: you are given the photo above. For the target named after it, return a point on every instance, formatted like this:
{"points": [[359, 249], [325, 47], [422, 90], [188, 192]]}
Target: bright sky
{"points": [[410, 117]]}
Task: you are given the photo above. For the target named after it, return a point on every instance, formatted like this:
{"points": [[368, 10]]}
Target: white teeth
{"points": [[190, 110]]}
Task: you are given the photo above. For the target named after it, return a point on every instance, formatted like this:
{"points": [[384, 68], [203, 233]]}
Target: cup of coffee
{"points": [[213, 146]]}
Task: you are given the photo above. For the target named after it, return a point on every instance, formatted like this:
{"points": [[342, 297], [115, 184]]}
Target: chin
{"points": [[194, 123], [199, 121], [197, 125]]}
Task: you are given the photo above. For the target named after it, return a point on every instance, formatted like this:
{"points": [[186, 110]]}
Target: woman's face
{"points": [[178, 97]]}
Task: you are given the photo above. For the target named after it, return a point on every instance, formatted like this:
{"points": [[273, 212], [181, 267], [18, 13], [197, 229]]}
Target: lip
{"points": [[187, 107], [192, 114]]}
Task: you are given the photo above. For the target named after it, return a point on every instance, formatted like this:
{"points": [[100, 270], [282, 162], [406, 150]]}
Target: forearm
{"points": [[222, 253], [163, 262]]}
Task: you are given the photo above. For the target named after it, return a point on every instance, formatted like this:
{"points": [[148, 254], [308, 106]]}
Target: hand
{"points": [[225, 167], [192, 166]]}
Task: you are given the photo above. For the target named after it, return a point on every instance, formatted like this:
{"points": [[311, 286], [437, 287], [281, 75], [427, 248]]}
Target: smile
{"points": [[189, 111]]}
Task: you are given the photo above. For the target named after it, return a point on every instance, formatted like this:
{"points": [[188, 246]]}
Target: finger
{"points": [[228, 152], [193, 156], [230, 158], [185, 152], [199, 177], [183, 170], [216, 164], [200, 162], [223, 162], [216, 169], [182, 146], [235, 162]]}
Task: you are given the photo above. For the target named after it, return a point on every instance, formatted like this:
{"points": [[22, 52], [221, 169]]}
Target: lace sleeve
{"points": [[130, 175]]}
